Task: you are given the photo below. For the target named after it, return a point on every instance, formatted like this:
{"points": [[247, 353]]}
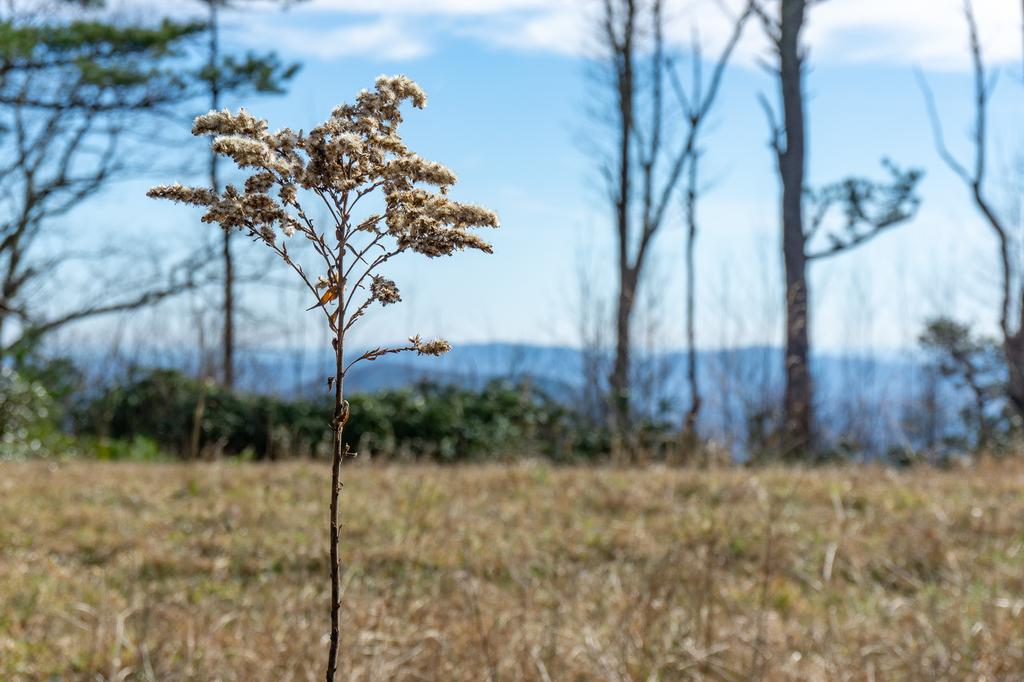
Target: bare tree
{"points": [[973, 175], [644, 167], [230, 75], [621, 33], [695, 102], [71, 92], [869, 208]]}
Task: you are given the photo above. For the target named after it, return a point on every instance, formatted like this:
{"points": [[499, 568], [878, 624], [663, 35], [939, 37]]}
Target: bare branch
{"points": [[975, 177], [182, 278], [776, 132]]}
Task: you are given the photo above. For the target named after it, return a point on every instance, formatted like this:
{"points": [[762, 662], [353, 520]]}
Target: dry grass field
{"points": [[525, 572]]}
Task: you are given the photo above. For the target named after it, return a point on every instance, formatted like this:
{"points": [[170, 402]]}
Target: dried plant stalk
{"points": [[356, 153]]}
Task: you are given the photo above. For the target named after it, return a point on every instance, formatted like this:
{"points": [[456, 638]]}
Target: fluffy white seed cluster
{"points": [[384, 290], [355, 152], [357, 149], [436, 347]]}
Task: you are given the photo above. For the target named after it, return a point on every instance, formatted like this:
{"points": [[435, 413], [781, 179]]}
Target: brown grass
{"points": [[218, 572]]}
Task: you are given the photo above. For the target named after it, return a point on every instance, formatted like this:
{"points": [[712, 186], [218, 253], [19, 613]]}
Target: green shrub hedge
{"points": [[424, 421]]}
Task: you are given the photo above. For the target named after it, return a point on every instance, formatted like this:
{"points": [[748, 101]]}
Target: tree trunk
{"points": [[692, 414], [1013, 350], [1013, 338], [797, 428], [228, 339], [621, 369], [625, 90], [798, 404]]}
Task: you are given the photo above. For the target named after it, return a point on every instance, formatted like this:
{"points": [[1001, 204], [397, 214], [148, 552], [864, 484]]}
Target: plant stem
{"points": [[338, 426]]}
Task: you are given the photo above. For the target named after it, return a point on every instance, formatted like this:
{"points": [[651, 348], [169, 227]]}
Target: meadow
{"points": [[217, 571]]}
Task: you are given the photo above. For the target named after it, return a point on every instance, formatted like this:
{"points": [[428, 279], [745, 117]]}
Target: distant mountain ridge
{"points": [[866, 396], [278, 371], [865, 393]]}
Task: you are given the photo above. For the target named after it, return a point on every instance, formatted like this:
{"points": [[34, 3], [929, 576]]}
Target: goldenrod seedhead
{"points": [[356, 152]]}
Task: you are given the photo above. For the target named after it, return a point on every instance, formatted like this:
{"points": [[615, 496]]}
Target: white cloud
{"points": [[561, 28], [436, 7], [384, 38], [929, 33]]}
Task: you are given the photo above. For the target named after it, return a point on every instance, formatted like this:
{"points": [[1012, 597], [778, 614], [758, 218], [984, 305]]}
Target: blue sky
{"points": [[508, 91]]}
